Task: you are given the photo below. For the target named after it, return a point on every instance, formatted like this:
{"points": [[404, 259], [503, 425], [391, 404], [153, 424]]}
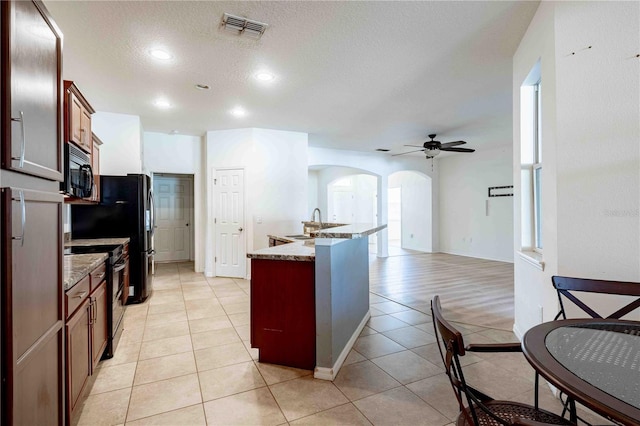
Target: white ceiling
{"points": [[354, 75]]}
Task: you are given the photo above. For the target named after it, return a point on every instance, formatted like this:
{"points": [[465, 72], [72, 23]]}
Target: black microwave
{"points": [[78, 175]]}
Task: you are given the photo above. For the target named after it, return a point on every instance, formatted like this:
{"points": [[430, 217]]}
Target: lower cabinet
{"points": [[283, 314], [86, 335], [32, 316]]}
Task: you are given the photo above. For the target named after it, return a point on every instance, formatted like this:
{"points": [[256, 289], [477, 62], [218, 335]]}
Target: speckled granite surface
{"points": [[355, 230], [297, 251], [78, 266], [96, 242], [304, 250]]}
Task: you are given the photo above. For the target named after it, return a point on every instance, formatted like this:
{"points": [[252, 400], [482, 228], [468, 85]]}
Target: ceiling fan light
{"points": [[430, 153]]}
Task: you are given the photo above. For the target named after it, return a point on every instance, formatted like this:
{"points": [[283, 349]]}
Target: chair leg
{"points": [[535, 395], [573, 415]]}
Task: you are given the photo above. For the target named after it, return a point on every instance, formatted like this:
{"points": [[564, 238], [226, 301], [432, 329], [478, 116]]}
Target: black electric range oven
{"points": [[116, 266]]}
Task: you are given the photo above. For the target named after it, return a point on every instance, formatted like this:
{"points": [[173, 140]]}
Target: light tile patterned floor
{"points": [[185, 359]]}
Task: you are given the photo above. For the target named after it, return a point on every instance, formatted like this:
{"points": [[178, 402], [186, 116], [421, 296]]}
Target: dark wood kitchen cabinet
{"points": [[32, 311], [87, 332], [283, 313], [77, 118], [95, 165], [31, 295], [31, 110]]}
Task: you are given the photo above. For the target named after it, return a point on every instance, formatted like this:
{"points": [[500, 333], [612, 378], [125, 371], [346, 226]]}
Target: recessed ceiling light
{"points": [[202, 87], [162, 104], [238, 112], [163, 55], [264, 76]]}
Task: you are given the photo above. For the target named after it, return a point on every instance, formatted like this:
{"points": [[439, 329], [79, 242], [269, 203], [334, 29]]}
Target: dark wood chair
{"points": [[477, 408], [570, 288]]}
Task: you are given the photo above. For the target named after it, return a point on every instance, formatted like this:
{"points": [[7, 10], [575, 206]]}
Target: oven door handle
{"points": [[119, 266]]}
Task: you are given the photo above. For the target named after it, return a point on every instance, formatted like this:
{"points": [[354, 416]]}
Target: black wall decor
{"points": [[501, 191]]}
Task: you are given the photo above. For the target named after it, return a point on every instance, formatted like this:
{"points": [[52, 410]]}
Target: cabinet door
{"points": [[100, 329], [95, 165], [75, 122], [32, 310], [85, 124], [78, 356], [31, 91]]}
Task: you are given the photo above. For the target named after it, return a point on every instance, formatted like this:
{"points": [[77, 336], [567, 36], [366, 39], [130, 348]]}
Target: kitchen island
{"points": [[310, 299]]}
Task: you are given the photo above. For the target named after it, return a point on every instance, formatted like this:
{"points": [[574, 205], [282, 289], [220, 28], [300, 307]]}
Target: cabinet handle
{"points": [[80, 295], [24, 140], [23, 208], [94, 312], [101, 276]]}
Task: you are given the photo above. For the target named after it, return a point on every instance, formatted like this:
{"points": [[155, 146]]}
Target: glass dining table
{"points": [[594, 361]]}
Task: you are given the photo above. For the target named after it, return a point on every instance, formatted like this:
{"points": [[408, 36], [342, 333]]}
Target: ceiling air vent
{"points": [[241, 25]]}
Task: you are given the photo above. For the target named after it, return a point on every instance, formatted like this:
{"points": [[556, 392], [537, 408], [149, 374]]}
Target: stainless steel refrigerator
{"points": [[125, 210]]}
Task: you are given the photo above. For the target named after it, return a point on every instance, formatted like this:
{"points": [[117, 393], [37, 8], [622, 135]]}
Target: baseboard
{"points": [[517, 332], [326, 373], [475, 257]]}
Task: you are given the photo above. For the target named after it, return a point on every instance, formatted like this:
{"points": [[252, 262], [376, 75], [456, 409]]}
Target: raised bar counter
{"points": [[304, 250]]}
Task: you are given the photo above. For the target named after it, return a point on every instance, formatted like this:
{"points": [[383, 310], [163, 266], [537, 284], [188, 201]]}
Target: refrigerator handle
{"points": [[152, 207]]}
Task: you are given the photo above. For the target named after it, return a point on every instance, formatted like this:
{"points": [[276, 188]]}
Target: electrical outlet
{"points": [[258, 219]]}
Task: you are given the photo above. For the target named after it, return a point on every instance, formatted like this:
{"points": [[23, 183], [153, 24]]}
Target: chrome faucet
{"points": [[313, 216]]}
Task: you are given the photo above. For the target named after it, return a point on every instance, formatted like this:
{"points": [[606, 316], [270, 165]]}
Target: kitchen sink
{"points": [[299, 237]]}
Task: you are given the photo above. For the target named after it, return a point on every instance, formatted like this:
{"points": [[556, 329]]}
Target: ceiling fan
{"points": [[432, 148]]}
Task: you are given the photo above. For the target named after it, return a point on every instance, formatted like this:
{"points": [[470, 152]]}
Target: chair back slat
{"points": [[565, 285]]}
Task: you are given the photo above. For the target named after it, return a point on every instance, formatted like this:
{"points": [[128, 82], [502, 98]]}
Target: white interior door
{"points": [[342, 209], [230, 237], [173, 198]]}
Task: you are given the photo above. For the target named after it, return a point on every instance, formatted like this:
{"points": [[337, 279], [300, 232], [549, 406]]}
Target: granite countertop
{"points": [[355, 230], [295, 250], [78, 266], [97, 242], [304, 250]]}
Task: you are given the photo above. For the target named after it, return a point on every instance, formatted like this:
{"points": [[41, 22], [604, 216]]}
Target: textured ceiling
{"points": [[354, 75]]}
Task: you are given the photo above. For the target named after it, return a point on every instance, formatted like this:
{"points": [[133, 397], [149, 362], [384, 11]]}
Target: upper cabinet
{"points": [[77, 118], [31, 111], [95, 165]]}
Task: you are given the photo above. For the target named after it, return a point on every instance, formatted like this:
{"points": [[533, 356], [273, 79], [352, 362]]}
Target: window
{"points": [[537, 169], [531, 162]]}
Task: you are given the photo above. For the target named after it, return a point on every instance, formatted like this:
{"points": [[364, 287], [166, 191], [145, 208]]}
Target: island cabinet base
{"points": [[283, 315]]}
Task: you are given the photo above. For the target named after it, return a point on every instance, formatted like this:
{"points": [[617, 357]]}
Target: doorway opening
{"points": [[409, 211], [173, 234]]}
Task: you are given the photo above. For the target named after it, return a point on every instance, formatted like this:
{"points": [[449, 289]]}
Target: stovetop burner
{"points": [[114, 251]]}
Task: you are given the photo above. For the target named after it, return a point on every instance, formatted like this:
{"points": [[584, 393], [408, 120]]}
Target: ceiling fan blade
{"points": [[450, 144], [408, 152], [458, 149], [415, 146]]}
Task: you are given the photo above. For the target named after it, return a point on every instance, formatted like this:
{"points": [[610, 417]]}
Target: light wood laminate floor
{"points": [[475, 291]]}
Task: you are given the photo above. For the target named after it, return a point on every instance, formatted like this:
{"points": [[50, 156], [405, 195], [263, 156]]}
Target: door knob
{"points": [[240, 229]]}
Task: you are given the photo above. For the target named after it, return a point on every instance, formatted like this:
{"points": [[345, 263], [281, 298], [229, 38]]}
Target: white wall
{"points": [[312, 194], [465, 227], [181, 154], [591, 155], [275, 182], [121, 134]]}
